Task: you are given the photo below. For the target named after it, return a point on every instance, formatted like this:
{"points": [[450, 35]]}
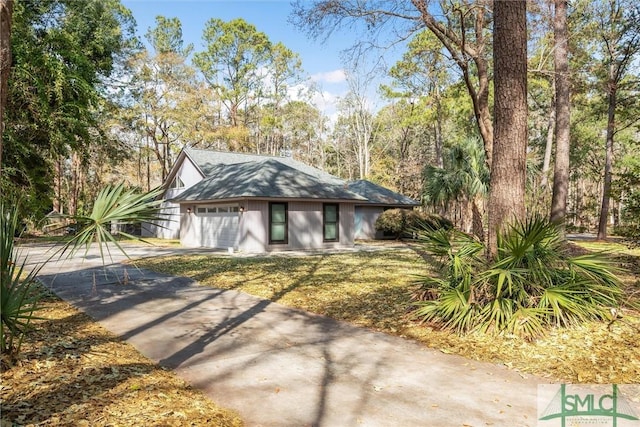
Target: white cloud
{"points": [[335, 76], [324, 100], [327, 103]]}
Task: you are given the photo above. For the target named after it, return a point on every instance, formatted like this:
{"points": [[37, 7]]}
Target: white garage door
{"points": [[218, 229]]}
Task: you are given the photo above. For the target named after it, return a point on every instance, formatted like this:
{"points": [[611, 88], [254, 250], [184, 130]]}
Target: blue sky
{"points": [[320, 60]]}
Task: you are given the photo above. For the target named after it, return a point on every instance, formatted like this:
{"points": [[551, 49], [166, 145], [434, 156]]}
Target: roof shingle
{"points": [[208, 160], [378, 195], [237, 175], [268, 178]]}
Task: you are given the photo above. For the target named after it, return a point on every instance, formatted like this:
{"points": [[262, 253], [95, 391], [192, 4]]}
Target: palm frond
{"points": [[532, 284], [19, 297], [567, 305], [527, 322], [114, 205], [597, 267]]}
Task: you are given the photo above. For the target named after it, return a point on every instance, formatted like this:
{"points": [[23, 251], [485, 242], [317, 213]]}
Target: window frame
{"points": [[176, 183], [336, 222], [208, 210], [285, 241]]}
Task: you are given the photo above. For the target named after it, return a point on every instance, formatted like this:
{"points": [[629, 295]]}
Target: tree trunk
{"points": [[6, 12], [167, 156], [563, 113], [483, 111], [438, 140], [57, 190], [74, 193], [508, 171], [546, 162], [466, 215], [608, 163], [367, 156], [478, 225], [461, 50], [233, 115]]}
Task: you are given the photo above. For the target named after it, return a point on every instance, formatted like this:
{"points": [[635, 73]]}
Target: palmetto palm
{"points": [[19, 297], [532, 284], [463, 180], [114, 205]]}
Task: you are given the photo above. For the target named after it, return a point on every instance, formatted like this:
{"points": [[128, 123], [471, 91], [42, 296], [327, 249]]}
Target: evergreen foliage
{"points": [[403, 222], [532, 284]]}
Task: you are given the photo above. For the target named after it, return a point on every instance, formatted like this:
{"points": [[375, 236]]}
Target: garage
{"points": [[213, 227]]}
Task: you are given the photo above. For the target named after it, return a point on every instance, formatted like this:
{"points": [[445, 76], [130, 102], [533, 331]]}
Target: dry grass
{"points": [[372, 289], [72, 372]]}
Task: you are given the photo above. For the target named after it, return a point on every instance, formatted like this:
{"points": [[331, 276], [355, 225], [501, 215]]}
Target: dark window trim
{"points": [[286, 224], [324, 222]]}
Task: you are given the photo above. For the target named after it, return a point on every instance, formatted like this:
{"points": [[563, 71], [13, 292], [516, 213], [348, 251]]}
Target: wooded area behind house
{"points": [[88, 104]]}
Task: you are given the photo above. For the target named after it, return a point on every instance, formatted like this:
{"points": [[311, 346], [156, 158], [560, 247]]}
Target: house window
{"points": [[278, 230], [177, 183], [217, 209], [330, 216]]}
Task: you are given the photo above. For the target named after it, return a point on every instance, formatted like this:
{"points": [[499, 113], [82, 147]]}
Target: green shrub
{"points": [[404, 222], [533, 283], [18, 296], [630, 234]]}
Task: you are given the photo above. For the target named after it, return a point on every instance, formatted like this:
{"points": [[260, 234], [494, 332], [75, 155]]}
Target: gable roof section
{"points": [[378, 195], [230, 175], [175, 168], [267, 177], [208, 160]]}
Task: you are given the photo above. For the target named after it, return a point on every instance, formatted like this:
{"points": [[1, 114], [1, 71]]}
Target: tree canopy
{"points": [[87, 103]]}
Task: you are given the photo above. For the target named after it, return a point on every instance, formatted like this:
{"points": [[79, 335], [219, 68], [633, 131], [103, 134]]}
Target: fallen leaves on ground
{"points": [[73, 372], [589, 353], [372, 289]]}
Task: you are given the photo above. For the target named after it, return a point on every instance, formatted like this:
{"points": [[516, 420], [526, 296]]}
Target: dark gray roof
{"points": [[238, 175], [266, 177], [208, 161], [378, 195]]}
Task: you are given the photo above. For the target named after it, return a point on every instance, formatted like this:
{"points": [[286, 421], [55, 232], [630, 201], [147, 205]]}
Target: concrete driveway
{"points": [[279, 366]]}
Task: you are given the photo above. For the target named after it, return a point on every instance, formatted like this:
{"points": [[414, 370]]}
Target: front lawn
{"points": [[372, 289]]}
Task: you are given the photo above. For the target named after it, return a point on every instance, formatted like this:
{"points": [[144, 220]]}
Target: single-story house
{"points": [[255, 203]]}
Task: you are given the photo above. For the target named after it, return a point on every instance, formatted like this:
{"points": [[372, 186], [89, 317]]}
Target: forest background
{"points": [[88, 103]]}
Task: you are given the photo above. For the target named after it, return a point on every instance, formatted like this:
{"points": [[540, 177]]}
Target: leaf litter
{"points": [[73, 372]]}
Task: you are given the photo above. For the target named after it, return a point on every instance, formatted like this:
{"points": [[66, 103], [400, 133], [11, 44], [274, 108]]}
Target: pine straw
{"points": [[585, 354], [73, 372], [372, 289]]}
